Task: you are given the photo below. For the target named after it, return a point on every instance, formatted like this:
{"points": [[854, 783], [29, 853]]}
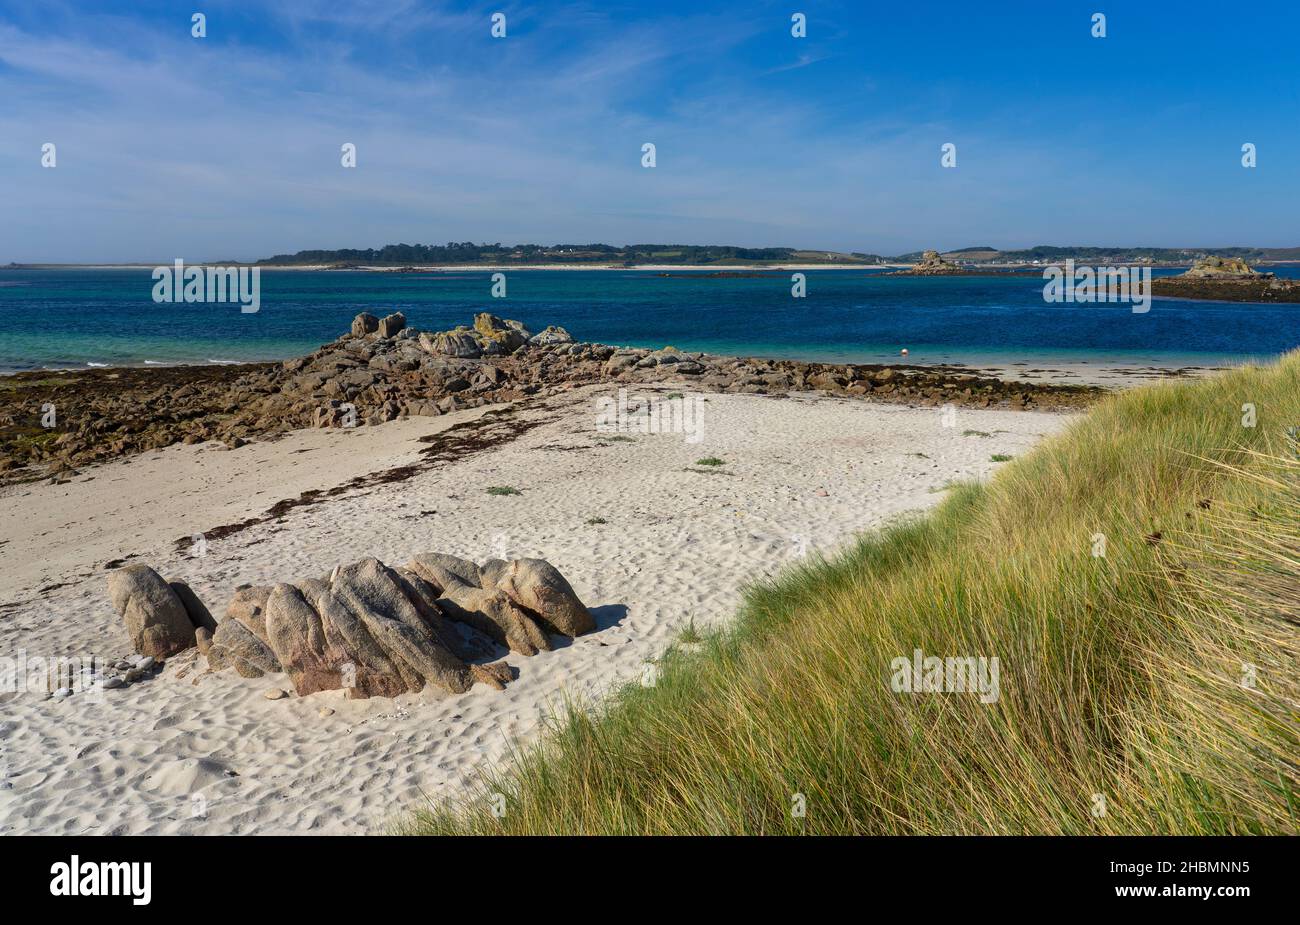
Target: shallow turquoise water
{"points": [[72, 317]]}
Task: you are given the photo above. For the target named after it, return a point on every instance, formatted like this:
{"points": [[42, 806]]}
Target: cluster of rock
{"points": [[1226, 279], [933, 264], [1212, 267], [365, 628], [382, 370]]}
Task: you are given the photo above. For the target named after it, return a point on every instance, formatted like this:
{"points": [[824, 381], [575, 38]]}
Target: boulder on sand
{"points": [[297, 638], [462, 598], [539, 588], [234, 645], [155, 616]]}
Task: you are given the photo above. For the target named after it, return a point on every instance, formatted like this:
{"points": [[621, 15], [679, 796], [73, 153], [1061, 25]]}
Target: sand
{"points": [[206, 753]]}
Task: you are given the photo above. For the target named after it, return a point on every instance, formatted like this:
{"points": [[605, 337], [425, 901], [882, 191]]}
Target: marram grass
{"points": [[1138, 578]]}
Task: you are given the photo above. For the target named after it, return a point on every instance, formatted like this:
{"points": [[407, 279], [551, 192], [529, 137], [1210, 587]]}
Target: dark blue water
{"points": [[71, 317]]}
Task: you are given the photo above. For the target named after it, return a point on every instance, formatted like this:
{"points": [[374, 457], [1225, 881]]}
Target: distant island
{"points": [[416, 257], [468, 253]]}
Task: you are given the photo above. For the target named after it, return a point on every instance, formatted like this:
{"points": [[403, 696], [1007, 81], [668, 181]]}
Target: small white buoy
{"points": [[903, 351]]}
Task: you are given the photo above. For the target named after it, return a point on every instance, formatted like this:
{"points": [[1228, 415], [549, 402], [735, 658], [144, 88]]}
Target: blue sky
{"points": [[228, 146]]}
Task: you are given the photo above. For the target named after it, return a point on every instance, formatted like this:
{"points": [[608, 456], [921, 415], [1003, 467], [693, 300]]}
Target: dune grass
{"points": [[1138, 578]]}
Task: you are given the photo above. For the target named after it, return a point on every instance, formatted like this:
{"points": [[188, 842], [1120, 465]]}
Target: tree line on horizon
{"points": [[468, 252]]}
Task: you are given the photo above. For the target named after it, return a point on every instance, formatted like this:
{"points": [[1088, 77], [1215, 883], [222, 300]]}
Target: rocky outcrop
{"points": [[368, 629], [550, 336], [932, 264], [1212, 267], [363, 324], [155, 616], [1226, 279], [390, 325], [499, 337], [459, 342]]}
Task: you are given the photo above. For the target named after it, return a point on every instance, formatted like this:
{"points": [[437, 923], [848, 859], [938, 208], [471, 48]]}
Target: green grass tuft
{"points": [[710, 461], [689, 634], [503, 490]]}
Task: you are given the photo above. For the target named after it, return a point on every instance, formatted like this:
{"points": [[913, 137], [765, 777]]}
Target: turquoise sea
{"points": [[55, 318]]}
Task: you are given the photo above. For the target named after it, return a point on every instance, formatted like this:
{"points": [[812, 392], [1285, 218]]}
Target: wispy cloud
{"points": [[801, 62]]}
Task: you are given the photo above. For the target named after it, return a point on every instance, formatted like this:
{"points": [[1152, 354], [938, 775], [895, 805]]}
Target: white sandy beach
{"points": [[802, 474]]}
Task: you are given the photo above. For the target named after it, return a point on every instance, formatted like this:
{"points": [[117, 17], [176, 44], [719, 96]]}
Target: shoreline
{"points": [[1099, 372]]}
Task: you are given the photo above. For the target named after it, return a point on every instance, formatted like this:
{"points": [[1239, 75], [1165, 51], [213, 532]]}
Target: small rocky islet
{"points": [[1226, 279], [932, 263], [383, 370]]}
